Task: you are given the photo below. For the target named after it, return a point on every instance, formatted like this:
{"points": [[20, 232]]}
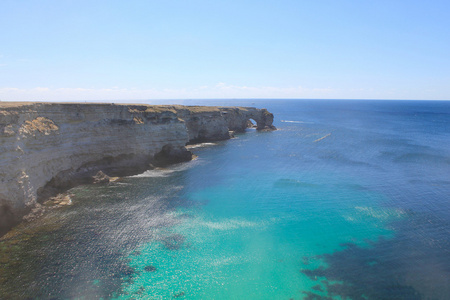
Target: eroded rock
{"points": [[48, 148], [101, 177]]}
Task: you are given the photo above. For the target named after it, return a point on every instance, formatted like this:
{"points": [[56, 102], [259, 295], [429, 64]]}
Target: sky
{"points": [[111, 50]]}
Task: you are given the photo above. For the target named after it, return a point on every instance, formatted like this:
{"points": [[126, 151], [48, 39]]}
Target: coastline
{"points": [[48, 148]]}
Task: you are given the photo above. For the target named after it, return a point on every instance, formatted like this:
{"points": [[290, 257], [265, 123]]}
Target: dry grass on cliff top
{"points": [[175, 108], [8, 104], [137, 107]]}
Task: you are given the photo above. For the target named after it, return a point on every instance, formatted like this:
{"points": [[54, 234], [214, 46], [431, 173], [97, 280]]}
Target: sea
{"points": [[348, 199]]}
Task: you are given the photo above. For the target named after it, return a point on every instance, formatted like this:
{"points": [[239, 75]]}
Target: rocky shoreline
{"points": [[47, 148]]}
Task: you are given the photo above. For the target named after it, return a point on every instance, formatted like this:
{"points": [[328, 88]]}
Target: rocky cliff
{"points": [[46, 148]]}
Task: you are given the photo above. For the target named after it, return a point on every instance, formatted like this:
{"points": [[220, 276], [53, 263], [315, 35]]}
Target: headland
{"points": [[48, 148]]}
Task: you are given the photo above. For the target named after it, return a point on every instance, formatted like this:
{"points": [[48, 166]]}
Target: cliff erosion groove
{"points": [[46, 148]]}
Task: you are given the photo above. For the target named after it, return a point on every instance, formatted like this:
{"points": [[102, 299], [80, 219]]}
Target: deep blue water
{"points": [[347, 200]]}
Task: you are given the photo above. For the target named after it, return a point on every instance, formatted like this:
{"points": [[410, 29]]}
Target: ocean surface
{"points": [[347, 200]]}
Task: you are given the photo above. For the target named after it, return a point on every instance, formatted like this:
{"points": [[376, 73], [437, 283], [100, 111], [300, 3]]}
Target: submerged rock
{"points": [[179, 295], [174, 241], [126, 271], [150, 268]]}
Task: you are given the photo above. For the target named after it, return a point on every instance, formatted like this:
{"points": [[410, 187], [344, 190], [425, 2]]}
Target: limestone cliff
{"points": [[46, 148]]}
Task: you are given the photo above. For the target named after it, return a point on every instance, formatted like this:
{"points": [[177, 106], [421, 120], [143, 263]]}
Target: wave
{"points": [[298, 122], [154, 173], [165, 172], [201, 145], [319, 139]]}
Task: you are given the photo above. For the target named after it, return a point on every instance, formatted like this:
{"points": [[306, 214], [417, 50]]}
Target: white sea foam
{"points": [[155, 173], [201, 145], [165, 172], [325, 136], [298, 122]]}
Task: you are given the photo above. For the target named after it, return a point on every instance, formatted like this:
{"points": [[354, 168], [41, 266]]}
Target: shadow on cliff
{"points": [[7, 219]]}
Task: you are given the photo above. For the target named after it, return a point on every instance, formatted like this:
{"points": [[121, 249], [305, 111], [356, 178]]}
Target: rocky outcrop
{"points": [[101, 177], [237, 118], [215, 123], [46, 148]]}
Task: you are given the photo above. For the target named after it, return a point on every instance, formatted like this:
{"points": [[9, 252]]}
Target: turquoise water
{"points": [[254, 235], [347, 200]]}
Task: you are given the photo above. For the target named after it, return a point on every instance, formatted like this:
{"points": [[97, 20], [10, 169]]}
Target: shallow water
{"points": [[349, 199]]}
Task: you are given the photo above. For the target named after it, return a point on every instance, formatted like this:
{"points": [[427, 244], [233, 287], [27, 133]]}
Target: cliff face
{"points": [[47, 148], [215, 123]]}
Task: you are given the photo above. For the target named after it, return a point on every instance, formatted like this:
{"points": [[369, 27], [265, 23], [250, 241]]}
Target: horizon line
{"points": [[213, 99]]}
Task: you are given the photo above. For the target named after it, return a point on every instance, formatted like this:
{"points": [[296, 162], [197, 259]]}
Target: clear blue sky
{"points": [[125, 50]]}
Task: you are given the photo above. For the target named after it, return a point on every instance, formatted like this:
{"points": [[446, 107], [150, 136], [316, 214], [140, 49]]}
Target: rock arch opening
{"points": [[251, 123]]}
